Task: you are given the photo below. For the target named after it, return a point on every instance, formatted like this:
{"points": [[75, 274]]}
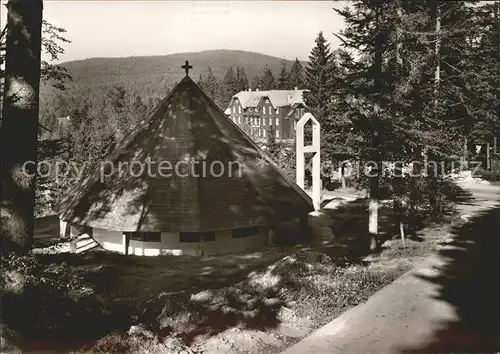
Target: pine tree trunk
{"points": [[398, 168], [497, 23], [398, 198], [20, 122], [437, 50], [431, 172], [376, 131], [465, 155], [342, 175], [373, 211]]}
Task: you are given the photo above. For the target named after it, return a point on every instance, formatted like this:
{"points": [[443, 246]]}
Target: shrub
{"points": [[52, 296], [491, 176]]}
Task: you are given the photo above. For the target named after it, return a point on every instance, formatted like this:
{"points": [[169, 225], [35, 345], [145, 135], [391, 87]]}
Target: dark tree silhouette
{"points": [[283, 78], [20, 121]]}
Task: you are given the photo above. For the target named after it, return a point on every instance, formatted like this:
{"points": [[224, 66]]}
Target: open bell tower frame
{"points": [[314, 148]]}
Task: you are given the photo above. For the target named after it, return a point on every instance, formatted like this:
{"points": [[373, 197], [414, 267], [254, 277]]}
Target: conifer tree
{"points": [[256, 83], [271, 144], [411, 86], [319, 74], [229, 85], [296, 76], [213, 88], [19, 126], [369, 90], [139, 109], [201, 81], [482, 73], [267, 80], [241, 79], [283, 78], [230, 80]]}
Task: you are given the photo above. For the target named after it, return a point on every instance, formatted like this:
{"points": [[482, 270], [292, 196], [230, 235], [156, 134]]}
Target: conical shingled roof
{"points": [[186, 126]]}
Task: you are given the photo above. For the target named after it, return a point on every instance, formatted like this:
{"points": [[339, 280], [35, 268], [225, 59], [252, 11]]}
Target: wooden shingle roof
{"points": [[186, 126]]}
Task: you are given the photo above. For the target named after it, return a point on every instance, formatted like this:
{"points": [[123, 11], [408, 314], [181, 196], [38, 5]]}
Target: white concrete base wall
{"points": [[109, 240], [224, 243]]}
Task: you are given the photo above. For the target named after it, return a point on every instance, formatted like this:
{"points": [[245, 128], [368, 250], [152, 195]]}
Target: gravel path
{"points": [[441, 305]]}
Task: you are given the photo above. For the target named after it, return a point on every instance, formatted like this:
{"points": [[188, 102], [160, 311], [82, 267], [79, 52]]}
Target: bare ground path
{"points": [[448, 304]]}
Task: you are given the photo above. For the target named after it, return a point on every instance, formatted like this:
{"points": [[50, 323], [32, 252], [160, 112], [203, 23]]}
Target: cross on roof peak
{"points": [[187, 67]]}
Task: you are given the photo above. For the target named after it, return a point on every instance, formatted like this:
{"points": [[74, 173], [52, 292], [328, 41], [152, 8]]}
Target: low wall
{"points": [[170, 244]]}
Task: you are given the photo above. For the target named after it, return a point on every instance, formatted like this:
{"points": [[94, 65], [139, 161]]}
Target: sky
{"points": [[285, 29]]}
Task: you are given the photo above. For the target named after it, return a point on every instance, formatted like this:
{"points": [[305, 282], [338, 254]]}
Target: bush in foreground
{"points": [[56, 298]]}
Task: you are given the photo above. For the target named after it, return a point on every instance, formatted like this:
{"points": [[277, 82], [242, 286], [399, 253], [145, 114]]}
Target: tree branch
{"points": [[339, 37], [3, 32], [44, 128], [451, 66]]}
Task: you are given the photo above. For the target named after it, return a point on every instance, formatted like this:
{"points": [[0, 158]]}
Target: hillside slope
{"points": [[151, 77], [147, 75]]}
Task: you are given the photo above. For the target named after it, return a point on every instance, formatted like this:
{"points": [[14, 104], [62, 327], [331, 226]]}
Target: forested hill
{"points": [[150, 71], [150, 77]]}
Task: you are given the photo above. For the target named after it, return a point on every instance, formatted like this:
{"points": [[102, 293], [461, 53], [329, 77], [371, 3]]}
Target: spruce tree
{"points": [[241, 79], [230, 81], [19, 126], [256, 82], [229, 85], [267, 80], [201, 81], [410, 86], [368, 31], [483, 68], [271, 143], [139, 109], [213, 88], [319, 78], [323, 79], [283, 78], [296, 76]]}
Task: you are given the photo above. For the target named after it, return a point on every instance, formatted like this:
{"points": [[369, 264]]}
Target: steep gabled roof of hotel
{"points": [[278, 98]]}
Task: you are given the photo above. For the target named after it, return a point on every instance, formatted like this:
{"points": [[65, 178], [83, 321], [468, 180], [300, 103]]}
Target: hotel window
{"points": [[264, 133], [239, 109], [264, 110], [278, 110], [277, 133], [277, 121], [264, 121], [146, 236], [196, 236]]}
